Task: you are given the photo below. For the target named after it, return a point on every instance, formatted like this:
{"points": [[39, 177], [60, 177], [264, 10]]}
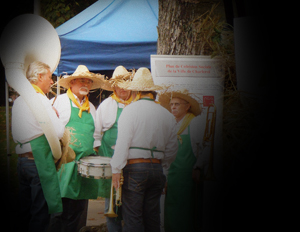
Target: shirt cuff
{"points": [[115, 170], [97, 143]]}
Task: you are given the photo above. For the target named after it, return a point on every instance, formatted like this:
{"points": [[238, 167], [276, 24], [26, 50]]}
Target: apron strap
{"points": [[147, 149], [21, 144]]}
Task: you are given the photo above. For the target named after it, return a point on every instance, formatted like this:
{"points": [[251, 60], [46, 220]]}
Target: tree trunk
{"points": [[177, 26]]}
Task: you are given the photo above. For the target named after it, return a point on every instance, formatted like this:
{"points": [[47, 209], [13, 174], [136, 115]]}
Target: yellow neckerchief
{"points": [[85, 106], [38, 89], [148, 95], [119, 100], [186, 121]]}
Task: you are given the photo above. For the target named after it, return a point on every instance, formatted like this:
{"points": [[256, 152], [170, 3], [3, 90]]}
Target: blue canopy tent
{"points": [[109, 33]]}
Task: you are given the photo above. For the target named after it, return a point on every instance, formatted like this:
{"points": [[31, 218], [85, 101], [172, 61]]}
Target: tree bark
{"points": [[177, 26]]}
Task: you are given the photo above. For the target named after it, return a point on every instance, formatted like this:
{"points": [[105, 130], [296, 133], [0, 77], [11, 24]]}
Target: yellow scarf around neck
{"points": [[85, 106], [148, 95], [38, 89], [186, 121], [119, 100]]}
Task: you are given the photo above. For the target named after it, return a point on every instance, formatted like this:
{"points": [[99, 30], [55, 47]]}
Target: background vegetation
{"points": [[59, 11]]}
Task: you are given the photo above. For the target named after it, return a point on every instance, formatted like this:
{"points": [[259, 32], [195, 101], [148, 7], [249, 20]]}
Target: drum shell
{"points": [[94, 167]]}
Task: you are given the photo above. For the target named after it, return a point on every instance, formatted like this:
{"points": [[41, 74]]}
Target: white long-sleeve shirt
{"points": [[63, 106], [25, 127], [106, 115], [145, 124]]}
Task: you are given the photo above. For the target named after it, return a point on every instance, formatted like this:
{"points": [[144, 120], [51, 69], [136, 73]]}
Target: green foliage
{"points": [[59, 11], [5, 166]]}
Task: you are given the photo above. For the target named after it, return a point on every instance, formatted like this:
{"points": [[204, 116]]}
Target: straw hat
{"points": [[82, 72], [165, 98], [142, 81], [120, 75], [68, 154]]}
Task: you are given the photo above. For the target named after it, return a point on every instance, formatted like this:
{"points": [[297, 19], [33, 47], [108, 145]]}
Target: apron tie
{"points": [[147, 149]]}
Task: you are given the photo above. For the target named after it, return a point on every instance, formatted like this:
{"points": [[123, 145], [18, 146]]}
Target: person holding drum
{"points": [[184, 173], [146, 143], [39, 194], [108, 114], [78, 114]]}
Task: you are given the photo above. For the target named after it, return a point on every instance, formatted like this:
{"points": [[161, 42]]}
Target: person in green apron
{"points": [[39, 193], [183, 195], [107, 116], [78, 115]]}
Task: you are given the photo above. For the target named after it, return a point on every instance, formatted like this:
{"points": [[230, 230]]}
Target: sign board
{"points": [[201, 75]]}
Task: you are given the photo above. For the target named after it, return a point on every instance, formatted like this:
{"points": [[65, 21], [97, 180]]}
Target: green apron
{"points": [[108, 141], [180, 199], [72, 185], [47, 173]]}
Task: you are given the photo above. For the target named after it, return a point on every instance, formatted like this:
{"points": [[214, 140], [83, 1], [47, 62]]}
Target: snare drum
{"points": [[95, 167]]}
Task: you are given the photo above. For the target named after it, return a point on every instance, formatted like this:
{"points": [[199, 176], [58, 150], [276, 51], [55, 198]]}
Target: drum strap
{"points": [[147, 149]]}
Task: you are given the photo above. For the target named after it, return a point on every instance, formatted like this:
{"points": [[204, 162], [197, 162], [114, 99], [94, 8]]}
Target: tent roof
{"points": [[110, 33]]}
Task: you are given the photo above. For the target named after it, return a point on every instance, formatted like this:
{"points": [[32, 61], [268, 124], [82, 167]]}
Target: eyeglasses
{"points": [[176, 104], [85, 81]]}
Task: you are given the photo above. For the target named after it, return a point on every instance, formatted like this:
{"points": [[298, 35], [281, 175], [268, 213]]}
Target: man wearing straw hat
{"points": [[145, 145], [108, 114], [184, 172], [78, 115]]}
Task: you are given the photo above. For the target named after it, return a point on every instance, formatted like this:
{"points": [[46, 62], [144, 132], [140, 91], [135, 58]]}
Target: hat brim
{"points": [[166, 97], [129, 85], [68, 156], [116, 81], [98, 80]]}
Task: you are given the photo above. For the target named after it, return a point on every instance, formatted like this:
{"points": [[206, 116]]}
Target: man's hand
{"points": [[164, 192], [116, 180], [96, 149]]}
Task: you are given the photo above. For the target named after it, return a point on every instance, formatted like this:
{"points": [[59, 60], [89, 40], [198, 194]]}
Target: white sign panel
{"points": [[200, 75]]}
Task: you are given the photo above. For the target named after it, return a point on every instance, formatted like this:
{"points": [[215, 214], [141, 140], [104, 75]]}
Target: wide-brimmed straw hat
{"points": [[120, 75], [82, 72], [165, 98], [68, 154], [142, 81]]}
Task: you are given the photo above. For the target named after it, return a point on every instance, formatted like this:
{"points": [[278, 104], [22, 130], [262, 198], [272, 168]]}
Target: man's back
{"points": [[146, 124]]}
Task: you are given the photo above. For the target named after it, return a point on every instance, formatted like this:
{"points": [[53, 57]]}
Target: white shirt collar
{"points": [[83, 99]]}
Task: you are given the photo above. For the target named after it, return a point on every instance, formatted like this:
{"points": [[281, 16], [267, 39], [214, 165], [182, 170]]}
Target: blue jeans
{"points": [[71, 219], [113, 224], [32, 207], [142, 188]]}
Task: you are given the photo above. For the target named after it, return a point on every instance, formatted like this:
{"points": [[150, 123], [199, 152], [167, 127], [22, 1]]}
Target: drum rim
{"points": [[89, 164], [94, 177]]}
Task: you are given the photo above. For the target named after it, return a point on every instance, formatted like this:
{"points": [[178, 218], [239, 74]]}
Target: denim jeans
{"points": [[113, 224], [70, 220], [142, 188], [32, 207]]}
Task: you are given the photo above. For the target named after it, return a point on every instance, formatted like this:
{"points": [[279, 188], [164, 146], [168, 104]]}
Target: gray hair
{"points": [[34, 69]]}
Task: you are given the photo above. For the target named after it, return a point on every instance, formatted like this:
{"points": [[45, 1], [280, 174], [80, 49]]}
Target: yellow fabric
{"points": [[186, 121], [119, 100], [38, 89], [148, 95], [85, 106]]}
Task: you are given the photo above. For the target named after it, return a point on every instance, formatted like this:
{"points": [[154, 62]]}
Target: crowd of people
{"points": [[153, 136]]}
